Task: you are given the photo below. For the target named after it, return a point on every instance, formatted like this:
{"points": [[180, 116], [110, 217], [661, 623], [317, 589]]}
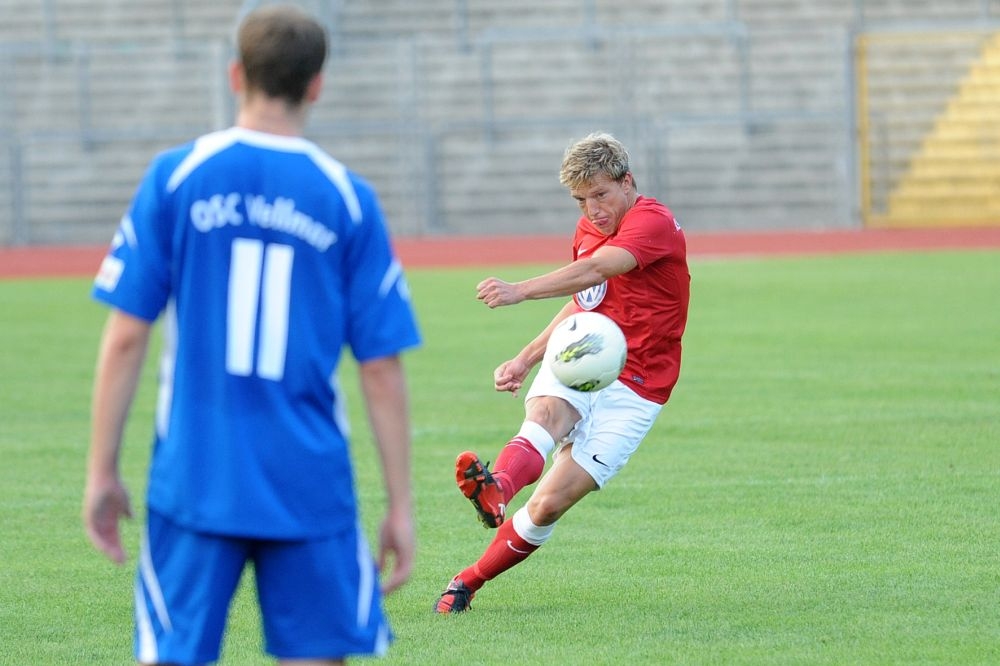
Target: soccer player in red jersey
{"points": [[629, 263]]}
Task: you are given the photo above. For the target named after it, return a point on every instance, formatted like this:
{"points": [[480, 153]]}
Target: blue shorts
{"points": [[319, 599]]}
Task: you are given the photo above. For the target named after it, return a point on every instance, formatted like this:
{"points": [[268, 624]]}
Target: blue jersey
{"points": [[265, 257]]}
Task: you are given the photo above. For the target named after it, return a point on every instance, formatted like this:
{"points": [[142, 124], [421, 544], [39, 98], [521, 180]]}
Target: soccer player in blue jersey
{"points": [[263, 257]]}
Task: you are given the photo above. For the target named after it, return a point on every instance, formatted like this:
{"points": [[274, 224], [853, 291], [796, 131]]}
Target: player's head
{"points": [[281, 50], [595, 154], [597, 172]]}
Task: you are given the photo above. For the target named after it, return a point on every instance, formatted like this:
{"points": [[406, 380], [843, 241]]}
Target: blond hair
{"points": [[596, 153]]}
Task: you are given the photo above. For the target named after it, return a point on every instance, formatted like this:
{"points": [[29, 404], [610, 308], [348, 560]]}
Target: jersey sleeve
{"points": [[381, 321], [650, 233], [135, 274]]}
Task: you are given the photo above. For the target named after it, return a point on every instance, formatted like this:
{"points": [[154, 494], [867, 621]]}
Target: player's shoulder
{"points": [[651, 232], [331, 164], [646, 206], [654, 216], [173, 165], [168, 158]]}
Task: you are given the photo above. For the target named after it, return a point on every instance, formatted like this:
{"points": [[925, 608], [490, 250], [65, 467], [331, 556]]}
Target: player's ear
{"points": [[236, 79], [314, 88]]}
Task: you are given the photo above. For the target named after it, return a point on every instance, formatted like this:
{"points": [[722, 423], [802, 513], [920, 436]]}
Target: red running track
{"points": [[58, 261]]}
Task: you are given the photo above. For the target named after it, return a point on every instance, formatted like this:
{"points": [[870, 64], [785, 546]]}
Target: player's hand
{"points": [[510, 375], [105, 503], [494, 292], [396, 543]]}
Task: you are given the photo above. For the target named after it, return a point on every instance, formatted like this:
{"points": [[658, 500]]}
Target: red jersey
{"points": [[650, 302]]}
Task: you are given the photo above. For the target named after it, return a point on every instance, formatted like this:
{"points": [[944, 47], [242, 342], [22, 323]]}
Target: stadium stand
{"points": [[931, 143], [24, 21], [954, 174], [741, 114]]}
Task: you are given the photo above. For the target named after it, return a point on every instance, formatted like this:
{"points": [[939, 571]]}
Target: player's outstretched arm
{"points": [[605, 263], [383, 384], [119, 364]]}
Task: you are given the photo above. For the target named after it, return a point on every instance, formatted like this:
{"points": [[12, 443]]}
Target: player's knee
{"points": [[546, 509], [554, 414]]}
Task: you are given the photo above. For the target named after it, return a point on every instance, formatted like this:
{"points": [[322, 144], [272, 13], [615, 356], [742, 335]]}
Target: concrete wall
{"points": [[739, 113]]}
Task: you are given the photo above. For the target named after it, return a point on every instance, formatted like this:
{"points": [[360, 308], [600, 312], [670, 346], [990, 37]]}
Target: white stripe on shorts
{"points": [[366, 581]]}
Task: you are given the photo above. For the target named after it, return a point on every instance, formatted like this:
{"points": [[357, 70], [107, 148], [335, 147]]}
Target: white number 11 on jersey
{"points": [[259, 280]]}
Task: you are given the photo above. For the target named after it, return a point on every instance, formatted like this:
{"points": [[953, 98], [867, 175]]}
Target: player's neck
{"points": [[272, 116]]}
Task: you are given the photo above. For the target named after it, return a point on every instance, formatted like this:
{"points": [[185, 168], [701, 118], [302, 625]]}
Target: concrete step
{"points": [[645, 12]]}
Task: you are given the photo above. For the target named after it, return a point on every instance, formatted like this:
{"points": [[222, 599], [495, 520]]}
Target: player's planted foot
{"points": [[482, 489], [457, 598]]}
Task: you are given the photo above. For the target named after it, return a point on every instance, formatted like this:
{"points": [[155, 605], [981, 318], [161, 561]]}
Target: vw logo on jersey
{"points": [[590, 298]]}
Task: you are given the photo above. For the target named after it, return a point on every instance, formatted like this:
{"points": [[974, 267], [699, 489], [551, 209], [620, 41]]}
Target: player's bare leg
{"points": [[565, 484]]}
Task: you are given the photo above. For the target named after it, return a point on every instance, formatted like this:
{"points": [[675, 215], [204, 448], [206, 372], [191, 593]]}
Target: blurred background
{"points": [[739, 114]]}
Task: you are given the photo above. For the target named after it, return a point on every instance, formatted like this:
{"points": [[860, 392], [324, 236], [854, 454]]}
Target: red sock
{"points": [[518, 465], [506, 550]]}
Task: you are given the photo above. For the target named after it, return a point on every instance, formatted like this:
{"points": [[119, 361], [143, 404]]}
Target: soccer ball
{"points": [[586, 351]]}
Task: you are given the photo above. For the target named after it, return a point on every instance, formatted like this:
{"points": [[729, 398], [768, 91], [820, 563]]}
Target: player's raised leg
{"points": [[479, 485], [519, 464]]}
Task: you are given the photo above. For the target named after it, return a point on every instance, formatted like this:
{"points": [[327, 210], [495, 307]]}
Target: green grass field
{"points": [[823, 488]]}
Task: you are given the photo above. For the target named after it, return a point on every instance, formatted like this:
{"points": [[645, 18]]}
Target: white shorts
{"points": [[613, 422]]}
